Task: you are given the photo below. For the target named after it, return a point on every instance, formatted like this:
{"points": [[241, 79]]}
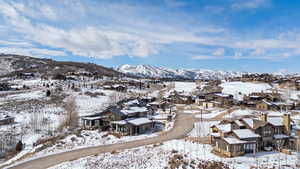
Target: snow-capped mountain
{"points": [[158, 72]]}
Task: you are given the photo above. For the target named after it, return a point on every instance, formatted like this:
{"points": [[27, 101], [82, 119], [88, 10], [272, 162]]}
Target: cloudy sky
{"points": [[243, 35]]}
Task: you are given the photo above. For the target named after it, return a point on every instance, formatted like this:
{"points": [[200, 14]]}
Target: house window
{"points": [[277, 131], [267, 132]]}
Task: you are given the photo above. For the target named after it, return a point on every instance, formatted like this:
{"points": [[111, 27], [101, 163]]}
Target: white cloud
{"points": [[32, 51], [131, 33], [15, 43], [138, 40], [219, 52], [250, 4]]}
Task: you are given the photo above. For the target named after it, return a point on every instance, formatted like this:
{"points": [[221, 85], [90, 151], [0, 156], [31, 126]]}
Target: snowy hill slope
{"points": [[12, 64], [158, 72]]}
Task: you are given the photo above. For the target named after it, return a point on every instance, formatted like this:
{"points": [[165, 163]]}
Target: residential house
{"points": [[126, 117], [5, 120], [275, 106], [133, 126], [249, 135], [5, 87], [179, 98]]}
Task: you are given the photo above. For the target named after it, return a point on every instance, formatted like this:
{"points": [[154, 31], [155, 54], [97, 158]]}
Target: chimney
{"points": [[264, 117], [222, 134], [287, 123]]}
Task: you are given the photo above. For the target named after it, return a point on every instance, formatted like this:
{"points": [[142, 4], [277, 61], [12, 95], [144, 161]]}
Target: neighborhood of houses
{"points": [[150, 104]]}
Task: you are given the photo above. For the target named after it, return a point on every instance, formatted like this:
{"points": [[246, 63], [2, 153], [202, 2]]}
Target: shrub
{"points": [[19, 146], [48, 93]]}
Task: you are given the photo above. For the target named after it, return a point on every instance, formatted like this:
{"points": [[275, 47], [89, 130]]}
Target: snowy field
{"points": [[35, 117], [245, 88], [185, 86], [87, 105], [158, 157]]}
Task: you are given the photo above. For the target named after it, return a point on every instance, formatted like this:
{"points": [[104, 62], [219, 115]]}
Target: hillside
{"points": [[12, 64]]}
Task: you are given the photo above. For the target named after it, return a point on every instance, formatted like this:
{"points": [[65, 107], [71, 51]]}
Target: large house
{"points": [[130, 117], [179, 98], [209, 100], [265, 105], [249, 135]]}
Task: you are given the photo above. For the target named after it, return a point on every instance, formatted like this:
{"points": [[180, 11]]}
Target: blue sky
{"points": [[240, 35]]}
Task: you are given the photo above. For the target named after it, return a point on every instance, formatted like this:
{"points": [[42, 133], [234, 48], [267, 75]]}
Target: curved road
{"points": [[183, 125]]}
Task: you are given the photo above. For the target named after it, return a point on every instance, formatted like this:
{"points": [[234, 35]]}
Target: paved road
{"points": [[183, 125]]}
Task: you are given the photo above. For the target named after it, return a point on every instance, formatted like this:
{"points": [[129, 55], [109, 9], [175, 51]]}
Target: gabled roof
{"points": [[254, 123], [275, 121], [139, 121], [239, 123], [245, 133], [233, 140], [223, 127], [134, 110]]}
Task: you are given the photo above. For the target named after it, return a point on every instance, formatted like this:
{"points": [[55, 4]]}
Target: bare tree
{"points": [[115, 97], [71, 117], [36, 117]]}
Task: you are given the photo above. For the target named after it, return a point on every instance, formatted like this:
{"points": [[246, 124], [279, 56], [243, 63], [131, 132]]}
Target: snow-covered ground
{"points": [[185, 86], [214, 112], [202, 129], [239, 113], [239, 89], [158, 157], [89, 138], [35, 116], [87, 105]]}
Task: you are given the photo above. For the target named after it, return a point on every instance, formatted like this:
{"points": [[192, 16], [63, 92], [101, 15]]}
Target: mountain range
{"points": [[149, 71]]}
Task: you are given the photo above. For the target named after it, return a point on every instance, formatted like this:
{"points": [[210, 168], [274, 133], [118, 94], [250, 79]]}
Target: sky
{"points": [[238, 35]]}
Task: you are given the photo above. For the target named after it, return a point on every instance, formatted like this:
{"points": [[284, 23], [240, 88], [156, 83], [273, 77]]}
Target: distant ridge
{"points": [[148, 71], [11, 64]]}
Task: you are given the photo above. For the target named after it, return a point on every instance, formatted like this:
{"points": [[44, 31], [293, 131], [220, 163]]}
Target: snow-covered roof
{"points": [[239, 123], [254, 96], [121, 122], [222, 95], [245, 133], [139, 121], [281, 136], [233, 140], [216, 134], [268, 103], [133, 110], [249, 122], [132, 102], [92, 118], [282, 104], [154, 103], [275, 121], [224, 127], [115, 86]]}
